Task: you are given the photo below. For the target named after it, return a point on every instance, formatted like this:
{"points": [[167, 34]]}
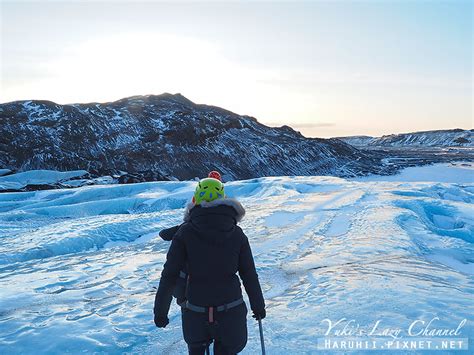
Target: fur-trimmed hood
{"points": [[231, 202]]}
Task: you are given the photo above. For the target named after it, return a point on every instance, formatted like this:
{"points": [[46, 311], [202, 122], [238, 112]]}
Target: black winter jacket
{"points": [[180, 288], [214, 249]]}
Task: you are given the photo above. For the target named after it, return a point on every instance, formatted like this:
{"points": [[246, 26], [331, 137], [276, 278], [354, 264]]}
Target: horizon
{"points": [[325, 69], [268, 124]]}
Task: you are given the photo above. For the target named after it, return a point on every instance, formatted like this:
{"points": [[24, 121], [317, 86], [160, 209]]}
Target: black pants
{"points": [[228, 331], [219, 349]]}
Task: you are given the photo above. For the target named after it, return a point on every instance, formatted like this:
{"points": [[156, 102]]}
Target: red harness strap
{"points": [[211, 314]]}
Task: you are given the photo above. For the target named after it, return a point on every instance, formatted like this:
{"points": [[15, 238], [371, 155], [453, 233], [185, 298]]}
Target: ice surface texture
{"points": [[36, 177], [78, 267]]}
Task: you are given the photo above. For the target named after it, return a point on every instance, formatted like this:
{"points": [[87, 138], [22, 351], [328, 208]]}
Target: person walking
{"points": [[167, 234], [213, 249]]}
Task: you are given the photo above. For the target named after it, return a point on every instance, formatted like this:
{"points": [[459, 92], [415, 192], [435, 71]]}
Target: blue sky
{"points": [[326, 68]]}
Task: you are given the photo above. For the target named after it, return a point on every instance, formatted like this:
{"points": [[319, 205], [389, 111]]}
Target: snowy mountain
{"points": [[165, 136], [441, 138], [79, 267]]}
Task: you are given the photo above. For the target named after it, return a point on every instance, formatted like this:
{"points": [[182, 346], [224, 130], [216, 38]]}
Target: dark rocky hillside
{"points": [[166, 136], [441, 138]]}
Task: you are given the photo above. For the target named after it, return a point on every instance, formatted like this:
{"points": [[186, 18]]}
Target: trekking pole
{"points": [[262, 342], [208, 351]]}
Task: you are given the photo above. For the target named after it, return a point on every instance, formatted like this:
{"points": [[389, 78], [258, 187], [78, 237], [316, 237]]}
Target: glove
{"points": [[168, 233], [259, 314], [161, 322], [180, 301]]}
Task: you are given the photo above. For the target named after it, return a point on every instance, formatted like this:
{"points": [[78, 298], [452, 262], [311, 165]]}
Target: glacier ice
{"points": [[36, 177], [79, 267]]}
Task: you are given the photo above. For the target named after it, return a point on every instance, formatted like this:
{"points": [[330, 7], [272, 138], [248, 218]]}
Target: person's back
{"points": [[214, 249], [217, 249]]}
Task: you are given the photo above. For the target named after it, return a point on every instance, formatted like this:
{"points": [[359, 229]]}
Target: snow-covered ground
{"points": [[458, 172], [78, 267]]}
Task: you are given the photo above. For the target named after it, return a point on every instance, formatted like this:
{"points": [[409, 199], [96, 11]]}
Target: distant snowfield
{"points": [[455, 173], [78, 267]]}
